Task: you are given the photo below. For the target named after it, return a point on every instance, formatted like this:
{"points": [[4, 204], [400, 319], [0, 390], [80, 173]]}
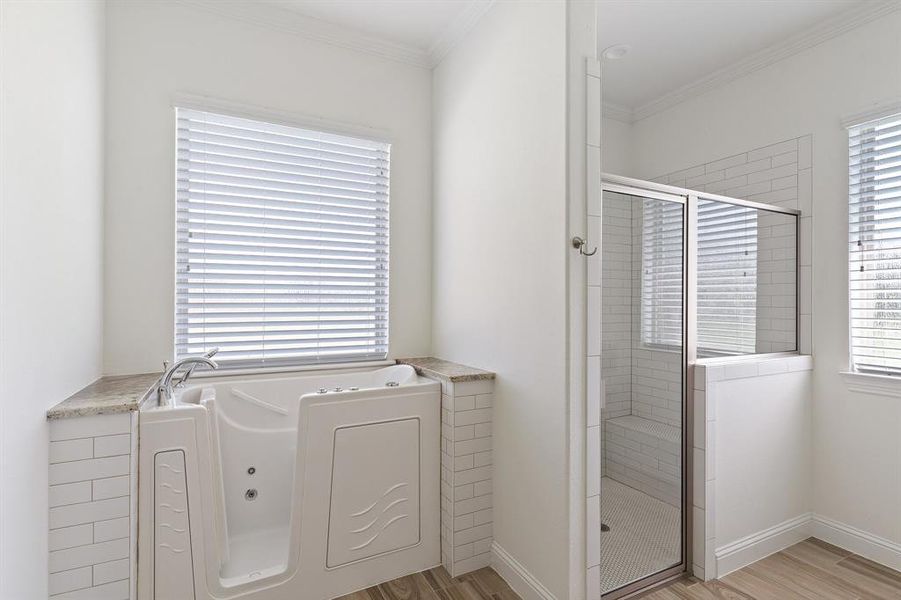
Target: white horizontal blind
{"points": [[282, 243], [727, 278], [661, 273], [875, 245]]}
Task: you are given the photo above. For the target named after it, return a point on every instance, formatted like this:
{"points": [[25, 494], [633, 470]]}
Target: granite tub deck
{"points": [[106, 396], [445, 370], [122, 394]]}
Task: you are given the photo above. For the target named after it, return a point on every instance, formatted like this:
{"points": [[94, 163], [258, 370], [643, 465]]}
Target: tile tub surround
{"points": [[444, 370], [107, 395], [466, 462], [467, 396], [466, 475], [92, 512]]}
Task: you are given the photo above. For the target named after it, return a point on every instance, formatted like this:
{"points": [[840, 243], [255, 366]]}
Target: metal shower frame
{"points": [[689, 199]]}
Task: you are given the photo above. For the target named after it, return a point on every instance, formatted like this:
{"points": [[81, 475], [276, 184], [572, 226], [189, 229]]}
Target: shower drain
{"points": [[250, 494], [605, 528]]}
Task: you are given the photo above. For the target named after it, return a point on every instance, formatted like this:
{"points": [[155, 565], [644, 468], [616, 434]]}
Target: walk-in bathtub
{"points": [[289, 487]]}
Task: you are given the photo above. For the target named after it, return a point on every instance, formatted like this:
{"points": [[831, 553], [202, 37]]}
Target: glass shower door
{"points": [[643, 374]]}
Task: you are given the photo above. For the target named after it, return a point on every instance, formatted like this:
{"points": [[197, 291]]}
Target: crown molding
{"points": [[289, 21], [822, 32], [462, 24], [617, 112]]}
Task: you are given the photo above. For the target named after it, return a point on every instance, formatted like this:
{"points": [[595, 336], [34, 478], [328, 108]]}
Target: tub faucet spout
{"points": [[166, 390]]}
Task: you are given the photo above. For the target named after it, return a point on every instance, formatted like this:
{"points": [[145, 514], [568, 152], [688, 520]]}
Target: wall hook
{"points": [[580, 244]]}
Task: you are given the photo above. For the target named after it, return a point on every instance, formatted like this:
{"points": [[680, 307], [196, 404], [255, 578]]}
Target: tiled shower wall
{"points": [[638, 380], [777, 174], [642, 412], [616, 306], [656, 372]]}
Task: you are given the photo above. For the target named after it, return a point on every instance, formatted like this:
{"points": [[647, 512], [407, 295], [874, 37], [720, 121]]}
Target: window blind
{"points": [[875, 244], [282, 243], [727, 276], [661, 273]]}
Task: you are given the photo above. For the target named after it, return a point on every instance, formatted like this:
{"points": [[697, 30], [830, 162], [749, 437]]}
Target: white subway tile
{"points": [[115, 570], [69, 537], [482, 459], [82, 556], [752, 166], [740, 370], [593, 539], [112, 445], [473, 475], [481, 488], [472, 446], [92, 426], [111, 487], [118, 590], [87, 512], [593, 391], [725, 163], [472, 505], [594, 180], [83, 470], [462, 492], [70, 493], [593, 584], [69, 450], [773, 150], [594, 321], [482, 430], [469, 417], [473, 563], [478, 532], [462, 404], [484, 400], [67, 581], [464, 462], [593, 108]]}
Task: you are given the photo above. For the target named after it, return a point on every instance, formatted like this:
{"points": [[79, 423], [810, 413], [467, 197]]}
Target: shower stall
{"points": [[685, 275]]}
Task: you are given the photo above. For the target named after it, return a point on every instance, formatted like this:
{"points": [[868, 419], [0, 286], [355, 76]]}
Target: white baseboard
{"points": [[752, 548], [868, 545], [517, 576]]}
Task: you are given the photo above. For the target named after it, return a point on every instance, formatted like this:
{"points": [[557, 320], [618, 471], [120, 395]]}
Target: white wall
{"points": [[159, 49], [616, 147], [500, 267], [762, 479], [51, 191], [856, 446]]}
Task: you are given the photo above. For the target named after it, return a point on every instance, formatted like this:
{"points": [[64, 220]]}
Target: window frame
{"points": [[882, 381], [292, 120]]}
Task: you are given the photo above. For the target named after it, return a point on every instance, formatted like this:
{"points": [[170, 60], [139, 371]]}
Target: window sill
{"points": [[869, 383]]}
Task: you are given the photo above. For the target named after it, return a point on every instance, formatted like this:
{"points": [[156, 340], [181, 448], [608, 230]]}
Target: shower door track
{"points": [[689, 199]]}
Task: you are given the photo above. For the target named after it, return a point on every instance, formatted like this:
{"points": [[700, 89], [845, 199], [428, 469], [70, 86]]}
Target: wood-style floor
{"points": [[437, 584], [810, 570]]}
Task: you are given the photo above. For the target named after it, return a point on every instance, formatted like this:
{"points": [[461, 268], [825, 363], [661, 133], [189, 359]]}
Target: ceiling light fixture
{"points": [[616, 52]]}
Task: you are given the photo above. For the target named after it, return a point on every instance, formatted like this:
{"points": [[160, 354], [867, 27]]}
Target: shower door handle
{"points": [[580, 244]]}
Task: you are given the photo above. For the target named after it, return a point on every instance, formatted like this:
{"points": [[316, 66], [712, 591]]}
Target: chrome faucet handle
{"points": [[190, 370], [166, 390]]}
